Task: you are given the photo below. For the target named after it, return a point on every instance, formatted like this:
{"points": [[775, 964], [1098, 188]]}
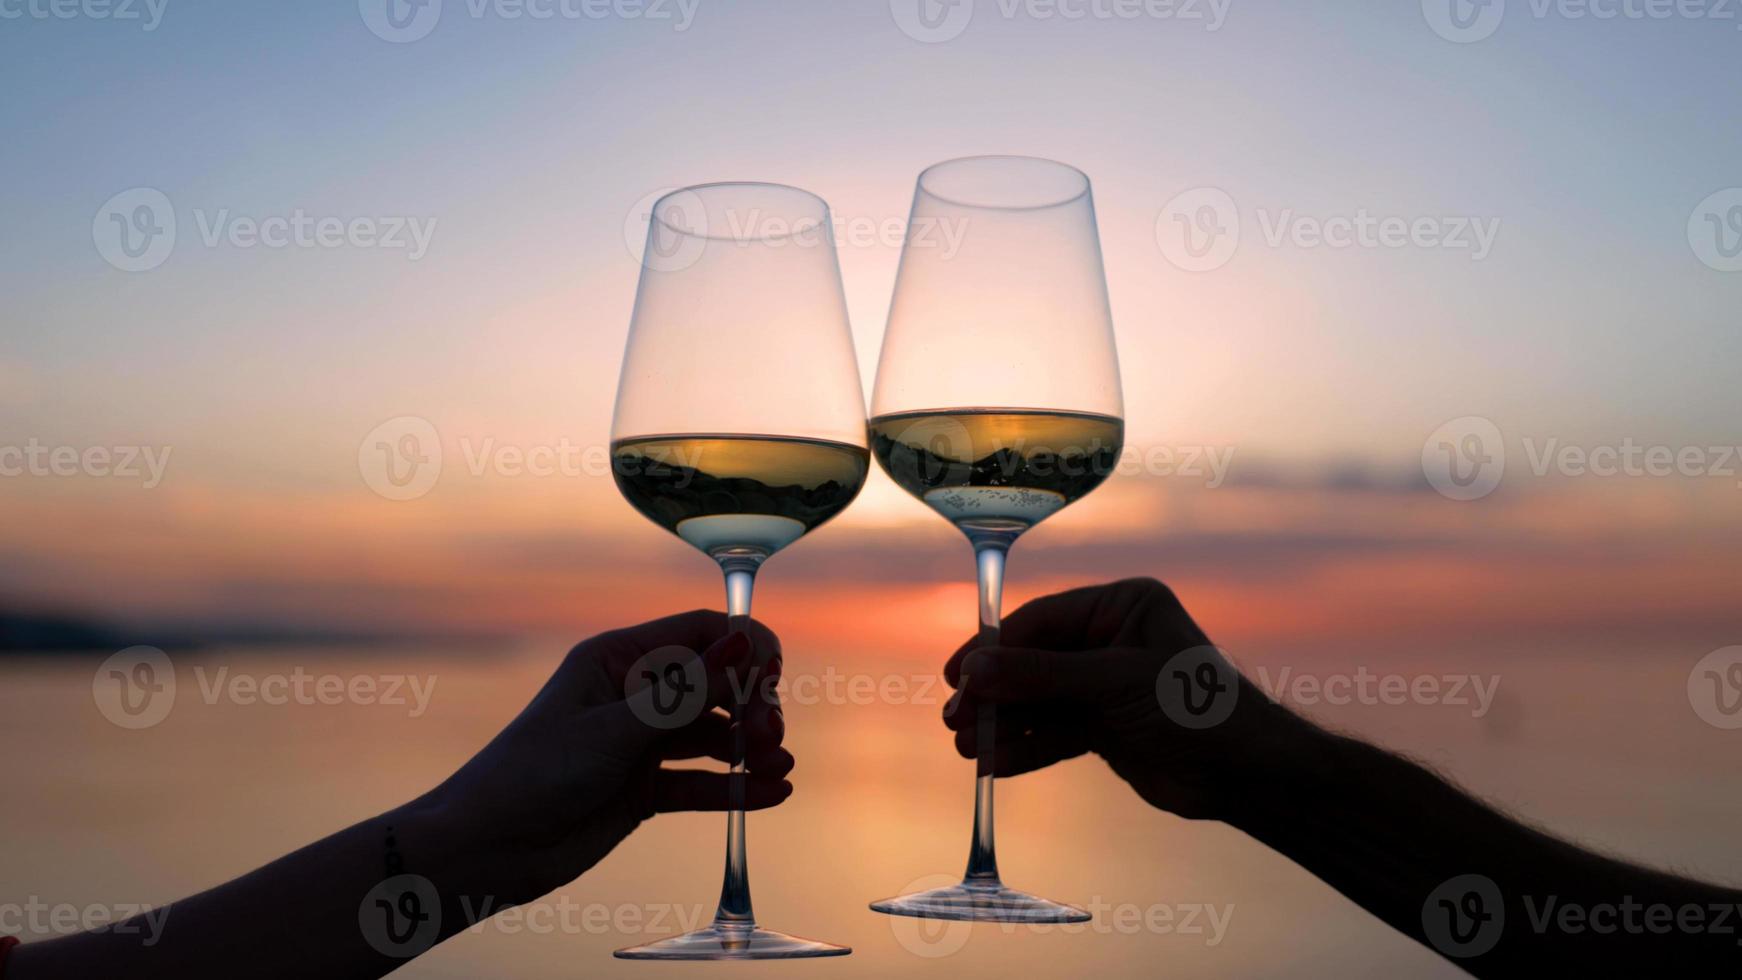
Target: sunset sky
{"points": [[529, 150]]}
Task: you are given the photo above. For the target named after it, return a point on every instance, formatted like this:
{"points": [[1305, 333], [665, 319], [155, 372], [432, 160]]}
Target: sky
{"points": [[1568, 278]]}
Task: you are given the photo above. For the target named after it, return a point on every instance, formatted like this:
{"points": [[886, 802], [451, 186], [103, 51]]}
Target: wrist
{"points": [[434, 838], [1279, 762]]}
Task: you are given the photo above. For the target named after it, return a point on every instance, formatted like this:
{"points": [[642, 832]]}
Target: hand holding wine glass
{"points": [[1120, 670]]}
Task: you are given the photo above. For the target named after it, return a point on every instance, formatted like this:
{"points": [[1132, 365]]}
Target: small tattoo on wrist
{"points": [[393, 861]]}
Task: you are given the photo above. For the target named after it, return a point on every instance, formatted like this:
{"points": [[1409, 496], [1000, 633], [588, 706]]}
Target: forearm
{"points": [[314, 912], [1416, 852]]}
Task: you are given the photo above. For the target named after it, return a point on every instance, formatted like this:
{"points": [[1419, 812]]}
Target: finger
{"points": [[1057, 621], [759, 692], [676, 790], [953, 666], [964, 712], [1002, 674], [1090, 617], [597, 668], [960, 712], [1079, 618], [773, 762], [766, 729], [709, 736], [727, 664], [1017, 721], [1134, 610], [631, 726], [1017, 754]]}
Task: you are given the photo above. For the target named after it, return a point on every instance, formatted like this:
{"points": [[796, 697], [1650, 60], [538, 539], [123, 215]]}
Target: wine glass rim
{"points": [[1081, 192], [822, 211]]}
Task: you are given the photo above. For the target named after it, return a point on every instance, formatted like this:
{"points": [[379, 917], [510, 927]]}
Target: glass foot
{"points": [[742, 943], [977, 902]]}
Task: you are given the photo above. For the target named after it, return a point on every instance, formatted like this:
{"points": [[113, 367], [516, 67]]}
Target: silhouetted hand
{"points": [[1122, 671], [579, 769], [550, 796]]}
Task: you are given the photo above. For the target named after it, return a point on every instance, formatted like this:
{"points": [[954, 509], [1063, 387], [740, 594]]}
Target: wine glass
{"points": [[997, 404], [739, 427]]}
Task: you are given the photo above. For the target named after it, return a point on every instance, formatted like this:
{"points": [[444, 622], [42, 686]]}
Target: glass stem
{"points": [[734, 913], [990, 548]]}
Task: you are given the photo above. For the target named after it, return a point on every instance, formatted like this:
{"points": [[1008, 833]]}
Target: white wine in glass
{"points": [[739, 427], [997, 469], [723, 493], [998, 404]]}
